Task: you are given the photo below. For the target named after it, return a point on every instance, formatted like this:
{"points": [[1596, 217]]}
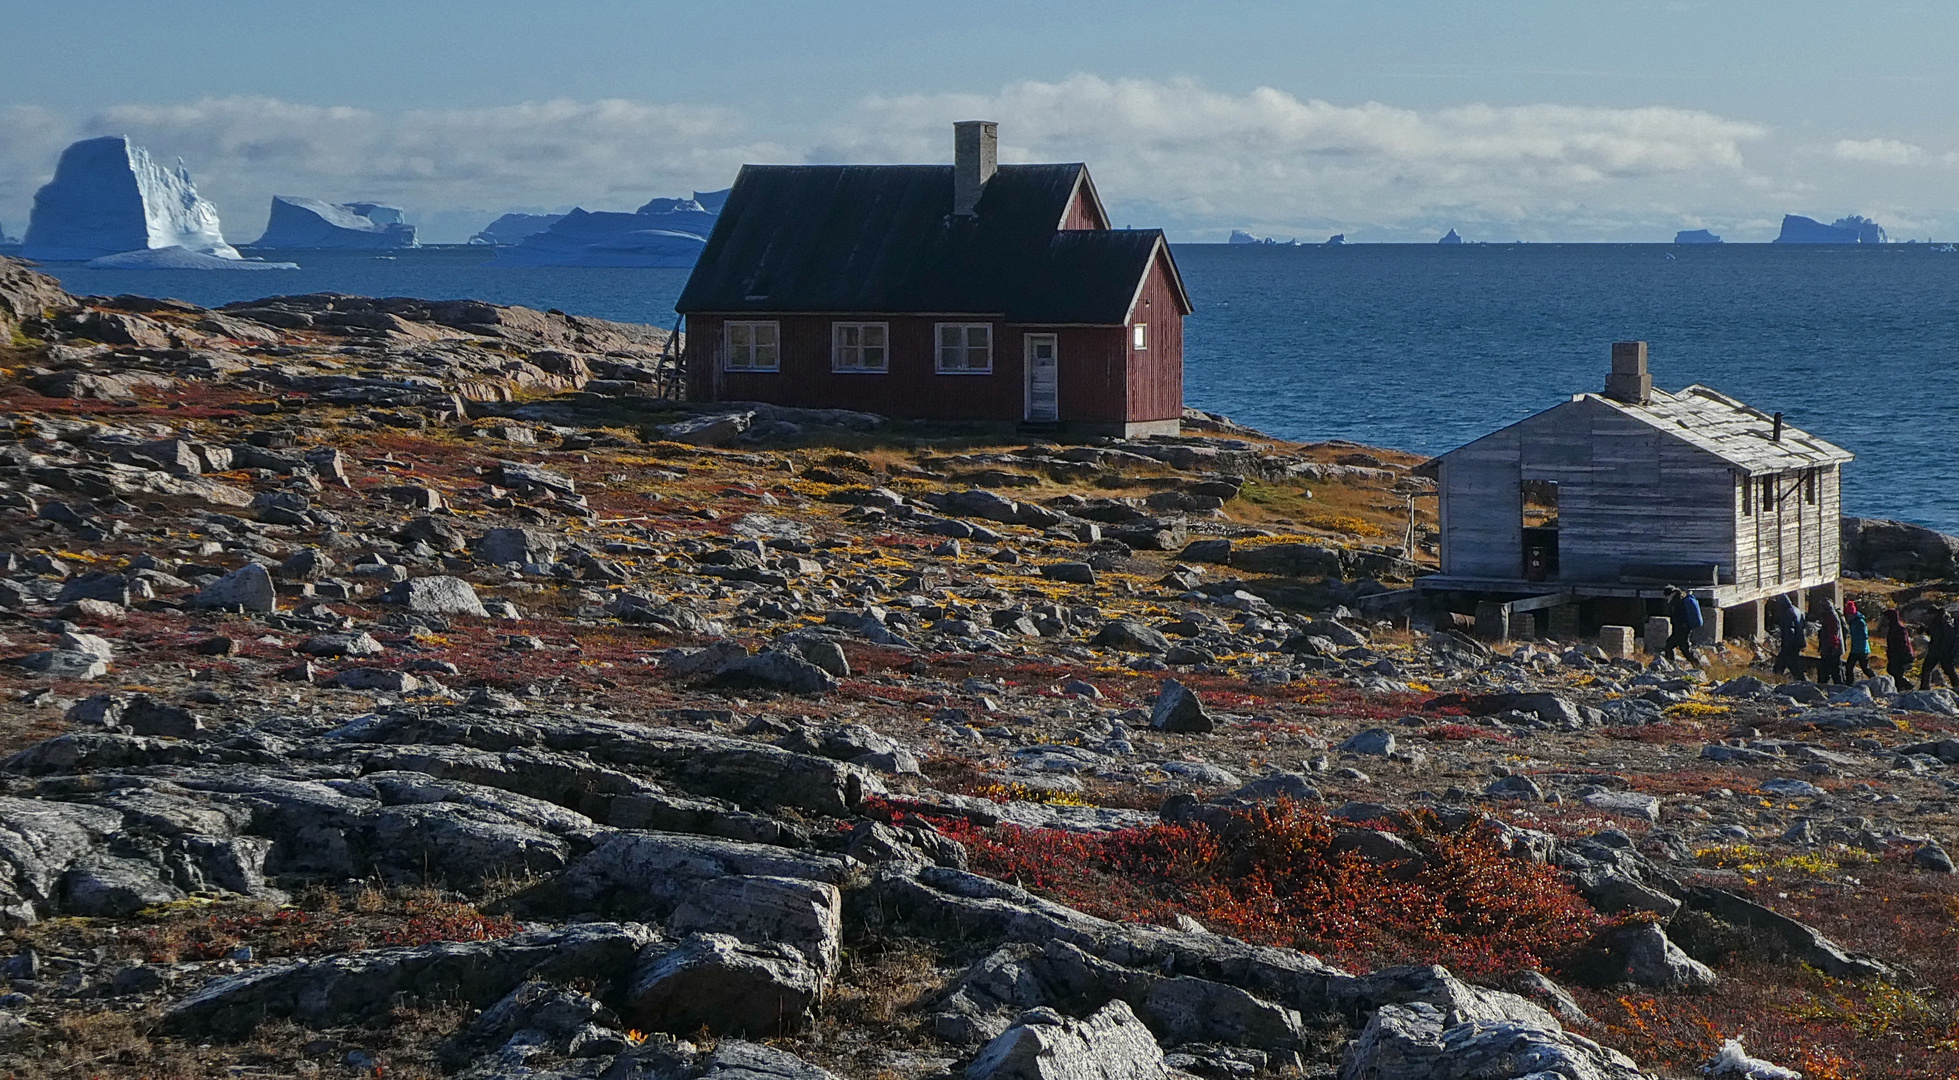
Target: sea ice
{"points": [[311, 223], [108, 196], [180, 258]]}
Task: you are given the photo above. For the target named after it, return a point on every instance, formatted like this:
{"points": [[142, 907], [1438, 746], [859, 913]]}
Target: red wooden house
{"points": [[974, 291]]}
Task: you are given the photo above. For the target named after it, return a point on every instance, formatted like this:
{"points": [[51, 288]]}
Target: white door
{"points": [[1043, 379]]}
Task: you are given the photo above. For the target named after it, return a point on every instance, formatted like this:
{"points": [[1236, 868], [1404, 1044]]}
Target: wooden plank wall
{"points": [[1482, 514], [1647, 499], [1789, 537], [1155, 383]]}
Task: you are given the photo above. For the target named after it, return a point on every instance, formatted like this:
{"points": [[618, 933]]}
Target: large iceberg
{"points": [[311, 223], [1695, 236], [108, 196], [1450, 237], [511, 228], [1845, 230], [664, 232], [177, 258]]}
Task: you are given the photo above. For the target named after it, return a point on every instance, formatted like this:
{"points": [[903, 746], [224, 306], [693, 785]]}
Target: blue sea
{"points": [[1424, 347]]}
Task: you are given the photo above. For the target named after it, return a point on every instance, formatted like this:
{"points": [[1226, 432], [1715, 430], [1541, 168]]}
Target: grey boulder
{"points": [[728, 986], [1110, 1044], [1179, 710], [248, 587], [441, 595]]}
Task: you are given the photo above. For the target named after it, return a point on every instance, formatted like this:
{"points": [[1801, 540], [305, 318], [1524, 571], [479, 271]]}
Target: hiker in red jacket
{"points": [[1897, 648]]}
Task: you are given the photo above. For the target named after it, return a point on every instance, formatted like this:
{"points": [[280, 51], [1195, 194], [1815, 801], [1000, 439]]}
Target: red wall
{"points": [[1081, 212], [1156, 374], [1093, 364]]}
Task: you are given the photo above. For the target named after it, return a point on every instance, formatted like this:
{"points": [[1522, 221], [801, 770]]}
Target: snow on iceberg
{"points": [[108, 196], [584, 238], [664, 232], [179, 258], [511, 228], [312, 223]]}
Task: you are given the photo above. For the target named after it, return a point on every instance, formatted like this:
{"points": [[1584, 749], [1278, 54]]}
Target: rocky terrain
{"points": [[407, 688]]}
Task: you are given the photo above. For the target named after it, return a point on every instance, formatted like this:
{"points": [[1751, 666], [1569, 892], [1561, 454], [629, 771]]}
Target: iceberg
{"points": [[311, 223], [664, 232], [511, 228], [1695, 236], [1240, 236], [1336, 240], [179, 258], [1845, 230], [108, 196], [1451, 237]]}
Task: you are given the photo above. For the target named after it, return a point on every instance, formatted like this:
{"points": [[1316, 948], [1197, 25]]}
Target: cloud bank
{"points": [[1168, 152]]}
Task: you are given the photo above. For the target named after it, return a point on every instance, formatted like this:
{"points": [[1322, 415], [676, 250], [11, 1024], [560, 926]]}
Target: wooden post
{"points": [[1658, 629], [1747, 621], [1493, 621], [1564, 622], [1712, 621]]}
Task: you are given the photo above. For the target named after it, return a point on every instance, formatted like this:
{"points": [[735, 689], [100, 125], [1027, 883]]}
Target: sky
{"points": [[1386, 120]]}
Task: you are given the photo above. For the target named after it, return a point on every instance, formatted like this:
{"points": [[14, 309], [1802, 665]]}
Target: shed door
{"points": [[1043, 378]]}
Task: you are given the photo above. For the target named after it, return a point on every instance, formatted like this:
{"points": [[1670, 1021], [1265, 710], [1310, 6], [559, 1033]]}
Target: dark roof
{"points": [[882, 238]]}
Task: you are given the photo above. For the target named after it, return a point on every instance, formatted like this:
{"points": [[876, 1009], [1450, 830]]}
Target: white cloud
{"points": [[1165, 152], [1879, 151]]}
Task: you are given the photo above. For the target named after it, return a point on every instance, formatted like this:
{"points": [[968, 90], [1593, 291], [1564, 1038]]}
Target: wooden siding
{"points": [[1155, 380], [1082, 213], [1789, 538], [1626, 495], [1091, 370]]}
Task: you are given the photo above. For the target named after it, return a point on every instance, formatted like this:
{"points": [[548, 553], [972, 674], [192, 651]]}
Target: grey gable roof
{"points": [[1714, 422], [882, 239]]}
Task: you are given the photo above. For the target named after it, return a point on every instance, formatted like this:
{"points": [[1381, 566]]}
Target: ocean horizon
{"points": [[1418, 347]]}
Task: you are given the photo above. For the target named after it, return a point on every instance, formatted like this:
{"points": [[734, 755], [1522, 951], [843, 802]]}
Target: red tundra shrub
{"points": [[1278, 876]]}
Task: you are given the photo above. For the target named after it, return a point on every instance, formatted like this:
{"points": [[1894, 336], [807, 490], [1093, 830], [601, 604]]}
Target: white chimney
{"points": [[975, 156]]}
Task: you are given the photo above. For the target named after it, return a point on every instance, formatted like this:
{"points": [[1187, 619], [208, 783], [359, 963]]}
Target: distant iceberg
{"points": [[664, 232], [1450, 237], [1240, 236], [511, 228], [310, 223], [1845, 230], [1695, 236], [179, 258], [1338, 239], [108, 196]]}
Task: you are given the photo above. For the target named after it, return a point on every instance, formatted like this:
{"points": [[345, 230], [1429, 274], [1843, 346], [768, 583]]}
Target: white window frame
{"points": [[743, 356], [1139, 337], [940, 349], [849, 358]]}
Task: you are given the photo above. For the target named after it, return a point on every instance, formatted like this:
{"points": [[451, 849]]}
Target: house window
{"points": [[754, 346], [860, 346], [965, 348], [1747, 497], [1809, 487], [1139, 336]]}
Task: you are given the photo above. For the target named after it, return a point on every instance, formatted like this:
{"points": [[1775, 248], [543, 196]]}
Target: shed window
{"points": [[754, 346], [1139, 336], [1768, 494], [860, 347], [965, 348], [1747, 497], [1809, 487]]}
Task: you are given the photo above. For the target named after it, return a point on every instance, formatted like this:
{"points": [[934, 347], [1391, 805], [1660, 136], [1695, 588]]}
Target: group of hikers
{"points": [[1843, 641]]}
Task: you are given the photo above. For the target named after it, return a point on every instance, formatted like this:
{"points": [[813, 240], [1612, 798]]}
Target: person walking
{"points": [[1857, 635], [1685, 614], [1792, 632], [1829, 645], [1897, 648], [1938, 654]]}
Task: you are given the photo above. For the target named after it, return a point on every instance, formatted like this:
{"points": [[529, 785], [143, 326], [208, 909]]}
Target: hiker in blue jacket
{"points": [[1685, 612]]}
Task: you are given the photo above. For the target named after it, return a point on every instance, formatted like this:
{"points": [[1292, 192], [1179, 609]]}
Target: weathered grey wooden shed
{"points": [[1606, 498]]}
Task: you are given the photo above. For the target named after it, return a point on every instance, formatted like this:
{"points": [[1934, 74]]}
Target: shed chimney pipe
{"points": [[1629, 381], [975, 157], [1776, 435]]}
